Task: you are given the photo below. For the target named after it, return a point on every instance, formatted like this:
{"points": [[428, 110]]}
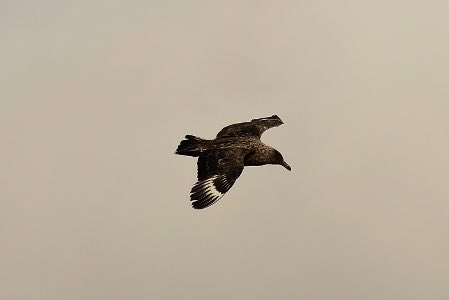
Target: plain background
{"points": [[96, 95]]}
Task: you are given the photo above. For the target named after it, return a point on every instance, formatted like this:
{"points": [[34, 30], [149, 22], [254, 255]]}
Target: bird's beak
{"points": [[286, 165]]}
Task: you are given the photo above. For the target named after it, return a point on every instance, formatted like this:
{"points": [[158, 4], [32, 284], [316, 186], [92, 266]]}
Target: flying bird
{"points": [[221, 160]]}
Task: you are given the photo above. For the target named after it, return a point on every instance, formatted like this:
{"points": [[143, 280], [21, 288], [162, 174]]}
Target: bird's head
{"points": [[278, 159]]}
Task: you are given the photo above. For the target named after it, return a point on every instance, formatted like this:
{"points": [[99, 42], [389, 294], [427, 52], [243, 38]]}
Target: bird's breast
{"points": [[256, 158]]}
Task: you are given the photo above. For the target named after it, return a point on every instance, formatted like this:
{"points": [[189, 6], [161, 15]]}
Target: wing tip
{"points": [[272, 118], [205, 203], [205, 193]]}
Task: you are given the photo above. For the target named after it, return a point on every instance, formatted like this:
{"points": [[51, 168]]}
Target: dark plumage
{"points": [[221, 160]]}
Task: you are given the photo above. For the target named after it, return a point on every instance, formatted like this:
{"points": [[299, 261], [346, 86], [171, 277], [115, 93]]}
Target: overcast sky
{"points": [[96, 95]]}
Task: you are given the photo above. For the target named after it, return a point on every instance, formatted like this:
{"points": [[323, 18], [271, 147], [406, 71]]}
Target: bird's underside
{"points": [[221, 161]]}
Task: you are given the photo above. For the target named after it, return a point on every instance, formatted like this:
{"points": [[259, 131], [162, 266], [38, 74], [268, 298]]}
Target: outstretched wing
{"points": [[217, 172], [255, 128]]}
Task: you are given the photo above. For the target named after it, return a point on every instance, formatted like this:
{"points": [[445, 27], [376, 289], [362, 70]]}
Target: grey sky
{"points": [[96, 95]]}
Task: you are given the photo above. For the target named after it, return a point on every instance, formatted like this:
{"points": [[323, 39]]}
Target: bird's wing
{"points": [[255, 128], [217, 172]]}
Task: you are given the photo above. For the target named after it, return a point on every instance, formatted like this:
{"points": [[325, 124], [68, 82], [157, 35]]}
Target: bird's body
{"points": [[221, 160]]}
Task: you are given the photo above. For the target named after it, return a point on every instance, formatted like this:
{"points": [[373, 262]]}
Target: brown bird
{"points": [[221, 160]]}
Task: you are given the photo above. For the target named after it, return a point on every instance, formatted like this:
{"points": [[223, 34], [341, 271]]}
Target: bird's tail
{"points": [[191, 146]]}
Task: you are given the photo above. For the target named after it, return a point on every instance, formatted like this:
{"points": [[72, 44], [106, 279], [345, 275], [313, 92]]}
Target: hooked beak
{"points": [[286, 165]]}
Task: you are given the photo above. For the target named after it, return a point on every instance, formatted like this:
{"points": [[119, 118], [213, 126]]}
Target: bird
{"points": [[221, 160]]}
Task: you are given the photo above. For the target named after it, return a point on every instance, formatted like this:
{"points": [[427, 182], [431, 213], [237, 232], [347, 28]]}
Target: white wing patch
{"points": [[209, 187], [205, 193]]}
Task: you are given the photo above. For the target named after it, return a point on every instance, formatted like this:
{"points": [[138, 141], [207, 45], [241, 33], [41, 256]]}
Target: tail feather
{"points": [[190, 146]]}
